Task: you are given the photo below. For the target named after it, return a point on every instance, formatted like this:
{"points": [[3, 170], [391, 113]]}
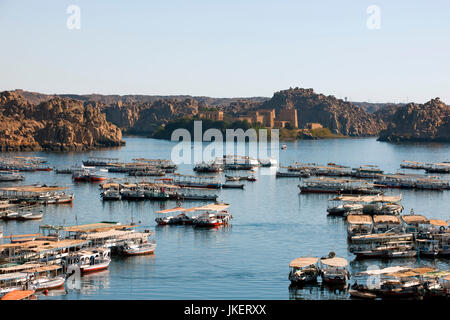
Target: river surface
{"points": [[273, 224]]}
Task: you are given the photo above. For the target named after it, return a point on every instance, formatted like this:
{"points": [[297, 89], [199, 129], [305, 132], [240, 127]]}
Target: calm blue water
{"points": [[272, 225]]}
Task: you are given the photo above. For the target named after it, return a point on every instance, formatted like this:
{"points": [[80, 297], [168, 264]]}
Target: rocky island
{"points": [[419, 123], [57, 124], [63, 122]]}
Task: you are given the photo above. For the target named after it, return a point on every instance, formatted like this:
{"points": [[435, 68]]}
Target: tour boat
{"points": [[90, 260], [359, 224], [233, 178], [64, 198], [87, 176], [156, 194], [132, 194], [133, 249], [303, 270], [110, 194], [212, 219], [29, 216], [208, 167], [63, 171], [10, 176], [167, 219], [281, 174], [9, 215], [334, 270], [14, 281], [48, 277], [334, 185], [215, 215], [99, 161]]}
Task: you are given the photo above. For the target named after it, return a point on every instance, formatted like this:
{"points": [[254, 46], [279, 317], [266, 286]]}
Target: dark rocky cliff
{"points": [[339, 116], [57, 124], [419, 122]]}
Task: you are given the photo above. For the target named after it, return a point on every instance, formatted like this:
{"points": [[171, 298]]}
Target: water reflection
{"points": [[96, 281], [318, 291]]}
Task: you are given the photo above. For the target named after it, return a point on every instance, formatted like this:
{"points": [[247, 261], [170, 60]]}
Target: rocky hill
{"points": [[56, 124], [343, 118], [419, 122]]}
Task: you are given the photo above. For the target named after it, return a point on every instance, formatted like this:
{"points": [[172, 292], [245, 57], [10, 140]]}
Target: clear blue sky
{"points": [[228, 48]]}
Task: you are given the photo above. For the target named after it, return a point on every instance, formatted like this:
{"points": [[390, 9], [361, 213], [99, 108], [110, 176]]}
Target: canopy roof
{"points": [[171, 210], [19, 267], [96, 227], [114, 234], [335, 262], [385, 270], [41, 246], [437, 222], [32, 188], [12, 276], [210, 207], [414, 219], [17, 295], [359, 219], [303, 262], [411, 272], [386, 219], [375, 198]]}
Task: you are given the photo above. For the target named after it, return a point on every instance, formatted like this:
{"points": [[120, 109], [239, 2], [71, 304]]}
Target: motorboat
{"points": [[90, 260], [133, 249]]}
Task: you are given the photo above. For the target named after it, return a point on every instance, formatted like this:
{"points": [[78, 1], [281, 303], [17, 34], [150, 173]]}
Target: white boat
{"points": [[303, 270], [215, 216], [167, 217], [133, 249], [9, 215], [48, 277], [110, 194], [14, 281], [334, 270], [29, 216], [359, 224], [90, 260]]}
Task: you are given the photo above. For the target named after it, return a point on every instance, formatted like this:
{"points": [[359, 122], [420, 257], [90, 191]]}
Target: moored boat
{"points": [[303, 270], [334, 271], [214, 215], [90, 260], [133, 249]]}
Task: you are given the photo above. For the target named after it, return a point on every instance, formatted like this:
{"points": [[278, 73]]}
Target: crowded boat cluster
{"points": [[366, 179], [377, 230], [375, 225], [45, 260]]}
